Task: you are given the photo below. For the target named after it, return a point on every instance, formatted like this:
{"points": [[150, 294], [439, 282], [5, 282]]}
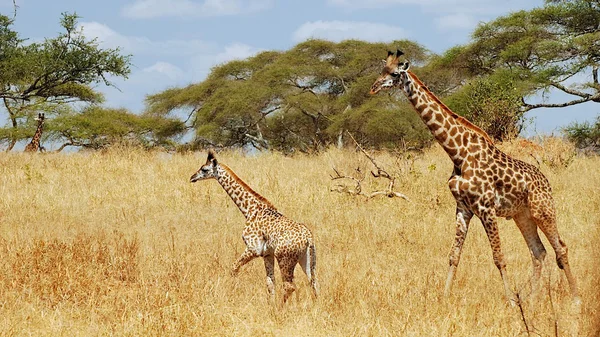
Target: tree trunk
{"points": [[13, 119]]}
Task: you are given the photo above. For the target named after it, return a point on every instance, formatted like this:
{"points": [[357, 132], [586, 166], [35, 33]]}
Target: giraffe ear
{"points": [[406, 65], [211, 157]]}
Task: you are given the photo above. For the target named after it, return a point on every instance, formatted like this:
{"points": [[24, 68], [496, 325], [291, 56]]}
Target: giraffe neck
{"points": [[453, 132], [247, 200], [34, 145]]}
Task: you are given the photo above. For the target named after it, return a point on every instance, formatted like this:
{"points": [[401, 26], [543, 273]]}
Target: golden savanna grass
{"points": [[120, 243]]}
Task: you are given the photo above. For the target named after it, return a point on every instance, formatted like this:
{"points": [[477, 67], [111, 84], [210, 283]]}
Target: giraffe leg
{"points": [[247, 256], [463, 218], [529, 230], [270, 268], [287, 266], [491, 229], [561, 251]]}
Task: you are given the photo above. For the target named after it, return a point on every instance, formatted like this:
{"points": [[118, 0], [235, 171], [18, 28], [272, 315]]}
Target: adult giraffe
{"points": [[485, 181]]}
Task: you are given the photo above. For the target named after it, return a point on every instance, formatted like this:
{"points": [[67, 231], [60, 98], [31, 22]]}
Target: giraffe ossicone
{"points": [[267, 233], [486, 182]]}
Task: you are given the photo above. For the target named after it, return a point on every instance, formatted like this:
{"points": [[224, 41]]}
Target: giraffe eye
{"points": [[395, 74]]}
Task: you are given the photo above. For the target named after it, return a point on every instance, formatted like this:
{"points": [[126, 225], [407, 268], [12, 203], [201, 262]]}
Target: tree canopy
{"points": [[302, 99], [96, 128], [57, 76], [306, 98], [552, 48], [585, 135]]}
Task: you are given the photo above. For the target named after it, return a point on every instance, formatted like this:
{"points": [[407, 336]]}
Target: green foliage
{"points": [[518, 56], [585, 135], [493, 103], [298, 100], [543, 47], [59, 67], [50, 75], [97, 128]]}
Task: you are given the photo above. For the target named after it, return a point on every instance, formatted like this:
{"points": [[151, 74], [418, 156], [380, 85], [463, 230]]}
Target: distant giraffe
{"points": [[34, 145], [485, 182], [268, 233]]}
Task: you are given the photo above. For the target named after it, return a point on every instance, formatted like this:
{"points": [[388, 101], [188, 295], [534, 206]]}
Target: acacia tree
{"points": [[51, 75], [302, 99], [585, 135], [552, 48], [97, 128]]}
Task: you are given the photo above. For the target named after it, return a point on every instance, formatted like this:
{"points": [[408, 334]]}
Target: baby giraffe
{"points": [[267, 233]]}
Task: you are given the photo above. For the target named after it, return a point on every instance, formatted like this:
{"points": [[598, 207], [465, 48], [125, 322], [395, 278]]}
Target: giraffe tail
{"points": [[311, 266]]}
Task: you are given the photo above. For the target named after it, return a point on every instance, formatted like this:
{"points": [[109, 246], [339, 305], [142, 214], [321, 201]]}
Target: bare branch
{"points": [[190, 115], [259, 143], [357, 190], [303, 87], [15, 7], [380, 171], [591, 98], [571, 91]]}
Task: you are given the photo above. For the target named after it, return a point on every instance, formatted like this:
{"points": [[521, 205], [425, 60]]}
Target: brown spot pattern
{"points": [[486, 182]]}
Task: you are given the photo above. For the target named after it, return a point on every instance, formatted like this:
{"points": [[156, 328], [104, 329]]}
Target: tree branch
{"points": [[380, 171], [262, 143], [592, 98], [571, 91], [303, 87], [15, 7], [357, 190]]}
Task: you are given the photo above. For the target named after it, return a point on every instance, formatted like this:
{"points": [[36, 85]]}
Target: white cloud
{"points": [[164, 68], [456, 21], [145, 9], [236, 51], [159, 64], [109, 38], [342, 30]]}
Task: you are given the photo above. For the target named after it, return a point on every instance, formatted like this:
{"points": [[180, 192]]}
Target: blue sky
{"points": [[175, 42]]}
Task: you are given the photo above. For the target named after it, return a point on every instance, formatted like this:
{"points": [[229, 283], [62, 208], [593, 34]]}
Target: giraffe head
{"points": [[40, 118], [394, 73], [208, 170]]}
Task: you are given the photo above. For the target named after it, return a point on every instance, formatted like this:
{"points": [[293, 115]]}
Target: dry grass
{"points": [[120, 243]]}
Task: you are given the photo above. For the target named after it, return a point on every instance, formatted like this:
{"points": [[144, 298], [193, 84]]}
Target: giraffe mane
{"points": [[248, 188], [465, 122]]}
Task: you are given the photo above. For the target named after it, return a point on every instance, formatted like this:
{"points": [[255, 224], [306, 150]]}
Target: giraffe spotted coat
{"points": [[485, 182], [267, 233], [34, 145]]}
